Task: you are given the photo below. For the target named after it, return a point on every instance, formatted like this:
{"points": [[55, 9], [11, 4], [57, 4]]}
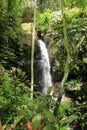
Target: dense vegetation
{"points": [[64, 27]]}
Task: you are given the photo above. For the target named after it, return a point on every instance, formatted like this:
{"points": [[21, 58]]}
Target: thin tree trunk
{"points": [[50, 6], [68, 58], [66, 44], [32, 51], [81, 40]]}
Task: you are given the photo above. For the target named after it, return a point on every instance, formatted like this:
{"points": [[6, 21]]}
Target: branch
{"points": [[80, 41]]}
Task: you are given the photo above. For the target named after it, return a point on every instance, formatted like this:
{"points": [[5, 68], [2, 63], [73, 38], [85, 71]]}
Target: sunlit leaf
{"points": [[36, 121], [49, 90], [50, 115], [68, 120]]}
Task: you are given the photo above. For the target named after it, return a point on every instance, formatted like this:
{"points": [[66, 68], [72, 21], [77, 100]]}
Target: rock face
{"points": [[27, 33], [25, 63]]}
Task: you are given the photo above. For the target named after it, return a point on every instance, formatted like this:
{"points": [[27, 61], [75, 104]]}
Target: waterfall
{"points": [[46, 76]]}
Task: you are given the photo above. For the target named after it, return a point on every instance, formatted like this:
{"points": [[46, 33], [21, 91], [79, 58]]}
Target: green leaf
{"points": [[49, 90], [36, 121], [65, 128], [50, 115], [16, 121], [68, 120], [49, 127]]}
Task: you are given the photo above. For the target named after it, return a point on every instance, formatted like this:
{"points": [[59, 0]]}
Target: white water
{"points": [[46, 76]]}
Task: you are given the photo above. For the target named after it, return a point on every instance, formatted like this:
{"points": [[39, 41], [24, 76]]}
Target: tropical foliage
{"points": [[64, 27]]}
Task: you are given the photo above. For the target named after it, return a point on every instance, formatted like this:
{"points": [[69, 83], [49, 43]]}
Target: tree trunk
{"points": [[68, 58], [32, 51], [51, 4]]}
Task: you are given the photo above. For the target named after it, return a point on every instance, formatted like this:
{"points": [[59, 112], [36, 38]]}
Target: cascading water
{"points": [[46, 76]]}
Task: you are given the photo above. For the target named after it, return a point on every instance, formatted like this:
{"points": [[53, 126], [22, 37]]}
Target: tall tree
{"points": [[32, 51], [68, 58], [10, 27]]}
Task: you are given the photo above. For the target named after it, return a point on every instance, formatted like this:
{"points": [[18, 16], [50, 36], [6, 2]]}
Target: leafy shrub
{"points": [[43, 20], [12, 94], [16, 104]]}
